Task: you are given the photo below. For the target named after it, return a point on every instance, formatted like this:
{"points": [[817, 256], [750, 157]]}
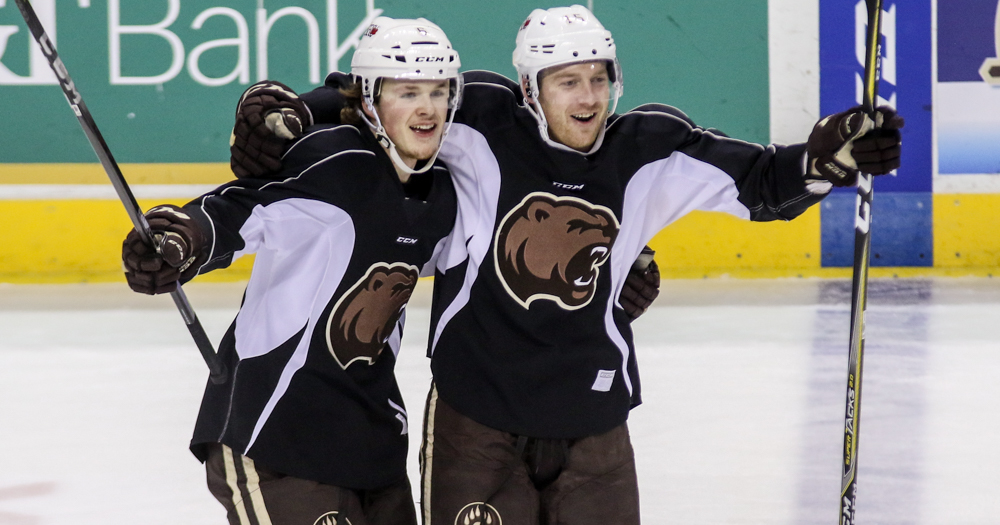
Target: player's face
{"points": [[575, 101], [413, 113]]}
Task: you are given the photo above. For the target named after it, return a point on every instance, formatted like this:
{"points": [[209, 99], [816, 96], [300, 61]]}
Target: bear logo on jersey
{"points": [[478, 514], [552, 248], [365, 316]]}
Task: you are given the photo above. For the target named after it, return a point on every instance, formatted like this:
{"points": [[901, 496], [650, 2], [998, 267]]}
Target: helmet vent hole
{"points": [[401, 58], [576, 53], [593, 51]]}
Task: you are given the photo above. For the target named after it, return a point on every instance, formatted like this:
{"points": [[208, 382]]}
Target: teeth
{"points": [[580, 282], [425, 127], [584, 116]]}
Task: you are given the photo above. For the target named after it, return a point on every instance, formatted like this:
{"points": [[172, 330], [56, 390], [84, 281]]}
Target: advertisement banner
{"points": [[162, 77], [902, 229], [968, 90]]}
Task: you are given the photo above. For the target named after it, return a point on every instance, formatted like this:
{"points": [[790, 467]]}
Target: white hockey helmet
{"points": [[559, 36], [404, 49]]}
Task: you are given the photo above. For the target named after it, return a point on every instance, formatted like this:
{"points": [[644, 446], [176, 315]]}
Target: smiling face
{"points": [[413, 113], [575, 100]]}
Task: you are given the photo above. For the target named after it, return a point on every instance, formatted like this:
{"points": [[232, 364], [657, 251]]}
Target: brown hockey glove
{"points": [[842, 145], [269, 117], [642, 285], [181, 244]]}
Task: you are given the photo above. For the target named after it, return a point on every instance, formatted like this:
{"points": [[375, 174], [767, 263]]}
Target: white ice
{"points": [[743, 388]]}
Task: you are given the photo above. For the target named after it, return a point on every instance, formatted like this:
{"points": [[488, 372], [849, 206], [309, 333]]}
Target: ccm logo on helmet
{"points": [[429, 59]]}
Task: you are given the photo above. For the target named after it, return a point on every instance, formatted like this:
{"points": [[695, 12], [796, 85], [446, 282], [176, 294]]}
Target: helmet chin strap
{"points": [[383, 138]]}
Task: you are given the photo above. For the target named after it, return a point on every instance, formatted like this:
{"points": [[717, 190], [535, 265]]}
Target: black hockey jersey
{"points": [[339, 248], [527, 335]]}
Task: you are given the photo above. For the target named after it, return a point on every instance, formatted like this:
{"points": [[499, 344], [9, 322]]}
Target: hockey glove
{"points": [[269, 117], [181, 243], [642, 285], [842, 145]]}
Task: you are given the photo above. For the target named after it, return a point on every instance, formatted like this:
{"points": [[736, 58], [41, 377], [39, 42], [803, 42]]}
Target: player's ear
{"points": [[368, 111]]}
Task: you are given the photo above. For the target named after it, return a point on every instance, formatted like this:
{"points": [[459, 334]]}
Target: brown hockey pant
{"points": [[473, 474], [256, 496]]}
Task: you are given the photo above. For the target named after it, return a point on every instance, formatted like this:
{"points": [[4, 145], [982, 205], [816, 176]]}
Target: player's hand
{"points": [[181, 244], [642, 285], [842, 145], [269, 117]]}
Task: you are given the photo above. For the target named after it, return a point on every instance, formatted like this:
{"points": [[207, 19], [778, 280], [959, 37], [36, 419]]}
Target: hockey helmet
{"points": [[404, 49], [560, 36]]}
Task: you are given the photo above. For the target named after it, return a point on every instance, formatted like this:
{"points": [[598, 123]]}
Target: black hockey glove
{"points": [[642, 285], [269, 117], [181, 242], [842, 145]]}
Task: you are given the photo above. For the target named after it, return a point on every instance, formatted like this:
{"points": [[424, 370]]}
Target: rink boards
{"points": [[753, 70], [70, 229]]}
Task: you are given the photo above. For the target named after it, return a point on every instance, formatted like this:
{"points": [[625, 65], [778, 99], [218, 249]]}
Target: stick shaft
{"points": [[859, 282], [114, 173]]}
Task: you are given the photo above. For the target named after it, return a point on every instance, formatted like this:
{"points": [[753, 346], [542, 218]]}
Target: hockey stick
{"points": [[217, 369], [859, 285]]}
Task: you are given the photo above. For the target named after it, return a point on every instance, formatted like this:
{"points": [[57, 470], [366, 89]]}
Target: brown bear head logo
{"points": [[552, 248], [365, 316]]}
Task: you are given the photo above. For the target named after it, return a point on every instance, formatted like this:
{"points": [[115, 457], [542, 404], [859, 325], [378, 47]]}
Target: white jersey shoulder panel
{"points": [[302, 246]]}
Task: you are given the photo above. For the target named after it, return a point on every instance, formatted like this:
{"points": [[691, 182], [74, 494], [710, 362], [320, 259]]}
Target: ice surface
{"points": [[743, 388]]}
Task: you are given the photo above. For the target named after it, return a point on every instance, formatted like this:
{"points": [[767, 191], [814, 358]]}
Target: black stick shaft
{"points": [[217, 369], [859, 284]]}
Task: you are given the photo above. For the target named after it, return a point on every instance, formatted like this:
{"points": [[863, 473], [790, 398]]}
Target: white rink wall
{"points": [[793, 49]]}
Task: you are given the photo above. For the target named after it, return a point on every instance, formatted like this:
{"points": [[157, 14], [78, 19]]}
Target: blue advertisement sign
{"points": [[902, 206], [968, 87]]}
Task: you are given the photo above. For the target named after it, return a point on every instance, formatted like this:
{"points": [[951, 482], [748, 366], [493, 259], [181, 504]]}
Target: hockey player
{"points": [[310, 427], [533, 361]]}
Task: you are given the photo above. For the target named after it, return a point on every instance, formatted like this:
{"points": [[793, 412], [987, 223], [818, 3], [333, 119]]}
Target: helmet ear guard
{"points": [[404, 49], [562, 36]]}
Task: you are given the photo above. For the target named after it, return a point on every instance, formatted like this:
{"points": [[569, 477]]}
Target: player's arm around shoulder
{"points": [[489, 100], [319, 143], [326, 101], [479, 76], [313, 169]]}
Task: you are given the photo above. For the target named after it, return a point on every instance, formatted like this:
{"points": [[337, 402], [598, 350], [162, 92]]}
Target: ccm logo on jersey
{"points": [[406, 240], [429, 59], [570, 187]]}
